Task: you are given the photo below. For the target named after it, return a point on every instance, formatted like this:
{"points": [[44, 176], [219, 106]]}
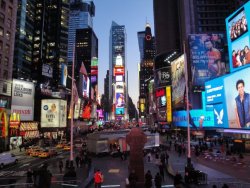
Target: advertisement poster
{"points": [[163, 77], [152, 104], [169, 104], [119, 111], [178, 81], [207, 57], [53, 113], [237, 94], [23, 99], [237, 26], [118, 60], [85, 86], [120, 101], [119, 87], [64, 74]]}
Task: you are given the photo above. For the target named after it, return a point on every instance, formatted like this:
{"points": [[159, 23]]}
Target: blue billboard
{"points": [[214, 91], [207, 57], [199, 117], [238, 37], [119, 111]]}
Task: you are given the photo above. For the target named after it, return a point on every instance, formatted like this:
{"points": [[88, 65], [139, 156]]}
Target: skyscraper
{"points": [[117, 71], [80, 17]]}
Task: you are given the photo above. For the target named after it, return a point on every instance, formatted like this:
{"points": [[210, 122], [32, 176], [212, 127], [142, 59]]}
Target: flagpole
{"points": [[72, 106], [187, 108]]}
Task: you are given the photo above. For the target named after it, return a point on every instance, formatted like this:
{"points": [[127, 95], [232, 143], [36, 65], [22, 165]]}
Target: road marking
{"points": [[24, 165], [114, 170]]}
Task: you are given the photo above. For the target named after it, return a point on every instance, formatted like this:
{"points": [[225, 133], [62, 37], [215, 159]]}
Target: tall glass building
{"points": [[80, 17], [118, 71]]}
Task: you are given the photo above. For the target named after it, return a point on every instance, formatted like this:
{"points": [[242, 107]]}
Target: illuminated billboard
{"points": [[94, 62], [238, 37], [53, 113], [85, 86], [178, 81], [119, 111], [168, 104], [94, 71], [207, 57], [120, 101], [162, 77], [151, 102], [119, 87], [118, 71], [119, 78], [64, 74], [118, 61]]}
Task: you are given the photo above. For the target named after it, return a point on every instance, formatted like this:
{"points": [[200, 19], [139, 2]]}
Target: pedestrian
{"points": [[161, 169], [133, 178], [98, 179], [177, 180], [149, 157], [60, 165], [167, 157], [29, 180], [148, 179], [225, 186], [77, 161], [20, 147], [158, 180]]}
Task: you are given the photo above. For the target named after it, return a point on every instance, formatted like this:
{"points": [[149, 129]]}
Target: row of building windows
{"points": [[9, 9], [7, 34], [2, 20]]}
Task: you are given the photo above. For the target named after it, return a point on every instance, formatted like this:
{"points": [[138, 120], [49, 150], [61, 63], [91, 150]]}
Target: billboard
{"points": [[237, 94], [178, 81], [85, 86], [53, 113], [23, 99], [152, 104], [119, 111], [169, 104], [120, 100], [64, 74], [119, 87], [118, 61], [207, 117], [163, 77], [119, 78], [207, 57], [238, 37], [118, 71]]}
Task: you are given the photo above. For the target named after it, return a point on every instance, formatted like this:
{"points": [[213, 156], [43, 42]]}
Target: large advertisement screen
{"points": [[85, 86], [64, 74], [163, 77], [237, 92], [238, 37], [178, 81], [23, 99], [207, 57], [151, 102], [119, 87], [53, 113], [120, 101]]}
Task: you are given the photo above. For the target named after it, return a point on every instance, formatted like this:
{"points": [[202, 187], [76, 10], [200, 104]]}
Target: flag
{"points": [[191, 121], [75, 93], [83, 69]]}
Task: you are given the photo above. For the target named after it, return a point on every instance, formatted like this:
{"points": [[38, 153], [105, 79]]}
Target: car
{"points": [[66, 147], [7, 158], [30, 149], [47, 153], [60, 146], [35, 153]]}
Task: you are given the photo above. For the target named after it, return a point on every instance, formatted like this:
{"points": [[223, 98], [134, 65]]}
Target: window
{"points": [[1, 31], [8, 35], [7, 49], [2, 18], [9, 23], [1, 45], [3, 4], [6, 62], [9, 11]]}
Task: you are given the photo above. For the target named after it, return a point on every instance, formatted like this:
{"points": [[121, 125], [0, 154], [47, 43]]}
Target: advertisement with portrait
{"points": [[15, 142], [53, 113], [237, 93], [178, 81], [64, 74], [180, 118], [152, 104], [23, 99], [120, 100], [85, 86], [119, 87], [238, 37], [161, 114], [162, 77], [207, 57]]}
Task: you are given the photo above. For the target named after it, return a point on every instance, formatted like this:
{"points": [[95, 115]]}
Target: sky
{"points": [[133, 14]]}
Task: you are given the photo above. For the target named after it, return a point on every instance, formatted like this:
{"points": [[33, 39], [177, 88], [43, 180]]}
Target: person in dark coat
{"points": [[132, 179], [158, 180], [148, 179], [177, 180], [77, 161]]}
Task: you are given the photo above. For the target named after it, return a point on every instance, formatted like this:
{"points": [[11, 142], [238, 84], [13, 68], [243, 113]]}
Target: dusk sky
{"points": [[133, 14]]}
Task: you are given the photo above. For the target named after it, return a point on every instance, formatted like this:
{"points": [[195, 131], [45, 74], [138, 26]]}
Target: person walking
{"points": [[158, 180], [77, 161], [60, 165], [177, 180], [148, 179], [161, 169], [98, 179], [132, 179]]}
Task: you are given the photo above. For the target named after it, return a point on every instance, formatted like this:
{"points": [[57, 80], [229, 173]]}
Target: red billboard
{"points": [[118, 71]]}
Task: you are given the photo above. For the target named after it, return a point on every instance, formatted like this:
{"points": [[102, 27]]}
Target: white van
{"points": [[7, 159]]}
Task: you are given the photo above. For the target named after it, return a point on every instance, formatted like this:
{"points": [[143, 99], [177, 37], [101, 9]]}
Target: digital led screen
{"points": [[178, 81], [118, 60], [118, 71], [238, 37], [120, 101], [93, 79], [207, 57], [237, 94], [161, 101], [119, 87], [119, 111], [119, 78], [163, 77]]}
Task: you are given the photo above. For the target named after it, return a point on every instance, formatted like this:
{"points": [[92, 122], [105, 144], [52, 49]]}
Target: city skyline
{"points": [[140, 13]]}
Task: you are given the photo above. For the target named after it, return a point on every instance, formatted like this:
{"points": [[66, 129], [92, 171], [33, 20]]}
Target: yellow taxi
{"points": [[47, 153], [60, 146], [30, 149], [35, 152], [66, 147]]}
